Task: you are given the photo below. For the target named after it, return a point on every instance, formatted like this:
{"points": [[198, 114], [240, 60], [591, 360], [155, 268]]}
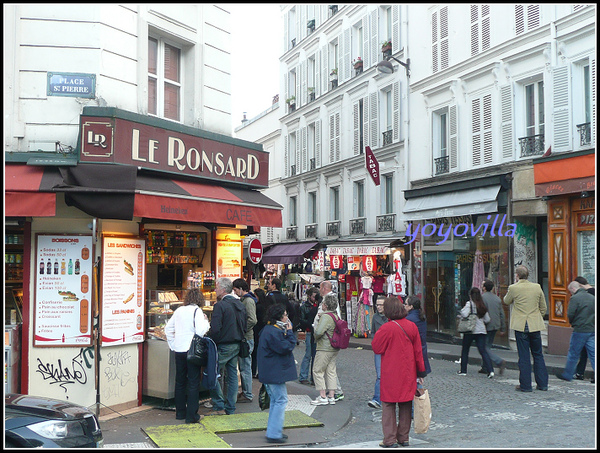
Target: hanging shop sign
{"points": [[336, 261], [353, 263], [372, 165], [63, 291], [158, 145], [369, 263], [123, 285], [229, 259], [359, 250]]}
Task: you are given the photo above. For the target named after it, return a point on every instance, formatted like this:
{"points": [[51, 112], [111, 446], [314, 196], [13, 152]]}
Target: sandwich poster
{"points": [[122, 295], [63, 290]]}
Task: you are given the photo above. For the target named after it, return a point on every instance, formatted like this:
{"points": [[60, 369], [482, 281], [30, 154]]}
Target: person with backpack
{"points": [[324, 368]]}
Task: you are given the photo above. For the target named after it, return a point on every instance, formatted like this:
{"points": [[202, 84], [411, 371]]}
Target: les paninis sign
{"points": [[121, 141]]}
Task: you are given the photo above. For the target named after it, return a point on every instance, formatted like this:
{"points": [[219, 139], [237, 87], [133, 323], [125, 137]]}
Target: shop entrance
{"points": [[439, 292]]}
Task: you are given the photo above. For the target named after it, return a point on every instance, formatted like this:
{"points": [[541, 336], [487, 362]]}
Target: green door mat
{"points": [[204, 434]]}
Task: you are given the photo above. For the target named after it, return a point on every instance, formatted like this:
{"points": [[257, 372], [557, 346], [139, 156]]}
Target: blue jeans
{"points": [[579, 342], [187, 388], [246, 371], [479, 339], [489, 341], [309, 357], [526, 342], [228, 354], [377, 393], [278, 395]]}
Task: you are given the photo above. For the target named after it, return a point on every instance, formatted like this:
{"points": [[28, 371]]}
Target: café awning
{"points": [[292, 253], [118, 192], [21, 193]]}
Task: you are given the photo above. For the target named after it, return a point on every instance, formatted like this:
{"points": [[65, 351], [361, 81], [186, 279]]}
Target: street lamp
{"points": [[386, 67]]}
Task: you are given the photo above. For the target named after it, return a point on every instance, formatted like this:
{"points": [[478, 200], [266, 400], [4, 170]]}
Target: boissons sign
{"points": [[444, 231]]}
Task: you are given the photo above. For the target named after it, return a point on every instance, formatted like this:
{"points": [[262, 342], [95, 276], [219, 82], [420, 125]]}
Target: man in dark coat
{"points": [[227, 328], [274, 287]]}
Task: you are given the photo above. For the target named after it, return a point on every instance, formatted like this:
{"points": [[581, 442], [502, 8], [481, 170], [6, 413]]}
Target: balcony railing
{"points": [[386, 222], [358, 226], [334, 228], [532, 145], [442, 165], [310, 231], [387, 137], [585, 133], [292, 233]]}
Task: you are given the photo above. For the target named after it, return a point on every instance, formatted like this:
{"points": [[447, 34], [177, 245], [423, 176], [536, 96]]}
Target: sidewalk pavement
{"points": [[120, 432]]}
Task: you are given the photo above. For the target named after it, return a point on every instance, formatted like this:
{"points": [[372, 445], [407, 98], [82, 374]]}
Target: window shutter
{"points": [[286, 89], [317, 80], [453, 126], [396, 110], [286, 33], [302, 25], [356, 127], [476, 131], [304, 149], [487, 129], [324, 70], [375, 48], [485, 27], [331, 138], [562, 128], [396, 28], [366, 122], [317, 143], [506, 115], [519, 19], [444, 49], [286, 156], [374, 128], [474, 30], [337, 137], [365, 43], [434, 43], [303, 90], [533, 16], [347, 56], [298, 86], [298, 156]]}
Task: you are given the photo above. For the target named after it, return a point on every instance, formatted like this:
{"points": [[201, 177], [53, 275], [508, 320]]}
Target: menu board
{"points": [[63, 290], [229, 259], [123, 283], [586, 253]]}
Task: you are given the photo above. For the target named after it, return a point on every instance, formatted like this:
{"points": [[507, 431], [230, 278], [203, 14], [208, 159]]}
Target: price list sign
{"points": [[63, 292], [123, 283]]}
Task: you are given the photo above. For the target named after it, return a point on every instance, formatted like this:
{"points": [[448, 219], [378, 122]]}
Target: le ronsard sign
{"points": [[122, 141]]}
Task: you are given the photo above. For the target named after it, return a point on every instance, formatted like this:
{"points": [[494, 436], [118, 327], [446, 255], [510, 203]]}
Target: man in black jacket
{"points": [[274, 287], [227, 328]]}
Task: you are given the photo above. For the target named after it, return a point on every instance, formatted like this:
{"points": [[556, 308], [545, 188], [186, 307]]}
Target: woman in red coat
{"points": [[399, 344]]}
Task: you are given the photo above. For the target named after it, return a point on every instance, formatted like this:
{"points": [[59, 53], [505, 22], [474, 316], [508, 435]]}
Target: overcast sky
{"points": [[257, 41]]}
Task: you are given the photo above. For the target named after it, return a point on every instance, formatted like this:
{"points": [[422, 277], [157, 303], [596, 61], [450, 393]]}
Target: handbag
{"points": [[198, 352], [422, 415], [466, 325], [244, 349], [263, 398]]}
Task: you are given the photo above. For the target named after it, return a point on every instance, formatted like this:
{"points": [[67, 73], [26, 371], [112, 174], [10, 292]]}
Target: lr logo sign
{"points": [[97, 139]]}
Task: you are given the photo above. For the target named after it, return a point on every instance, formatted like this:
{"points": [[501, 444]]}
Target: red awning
{"points": [[565, 174], [21, 193]]}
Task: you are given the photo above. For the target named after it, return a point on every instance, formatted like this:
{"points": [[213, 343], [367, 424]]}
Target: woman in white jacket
{"points": [[479, 333], [187, 320]]}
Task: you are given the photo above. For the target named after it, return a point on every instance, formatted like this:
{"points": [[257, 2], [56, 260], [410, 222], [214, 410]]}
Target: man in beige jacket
{"points": [[527, 320]]}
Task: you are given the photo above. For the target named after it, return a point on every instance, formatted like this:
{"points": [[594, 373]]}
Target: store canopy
{"points": [[21, 193], [118, 192], [359, 248], [463, 202], [565, 173], [292, 253]]}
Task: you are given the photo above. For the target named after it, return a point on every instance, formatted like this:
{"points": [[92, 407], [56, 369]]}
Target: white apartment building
{"points": [[499, 97], [117, 141]]}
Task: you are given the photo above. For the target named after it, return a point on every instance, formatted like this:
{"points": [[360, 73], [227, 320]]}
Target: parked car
{"points": [[35, 421]]}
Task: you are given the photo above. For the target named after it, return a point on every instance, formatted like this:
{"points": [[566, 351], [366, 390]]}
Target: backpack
{"points": [[341, 333]]}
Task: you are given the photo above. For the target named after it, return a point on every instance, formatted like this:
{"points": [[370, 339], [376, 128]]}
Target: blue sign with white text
{"points": [[71, 84]]}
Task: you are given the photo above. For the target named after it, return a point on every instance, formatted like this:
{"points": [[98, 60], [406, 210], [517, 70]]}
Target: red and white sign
{"points": [[336, 261], [372, 165], [255, 251], [369, 263]]}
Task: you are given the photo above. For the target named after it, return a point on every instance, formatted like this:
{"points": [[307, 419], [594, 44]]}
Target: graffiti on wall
{"points": [[116, 373], [525, 247], [64, 374]]}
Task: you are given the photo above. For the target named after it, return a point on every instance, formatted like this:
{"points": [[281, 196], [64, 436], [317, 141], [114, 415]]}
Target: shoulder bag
{"points": [[467, 325], [198, 352]]}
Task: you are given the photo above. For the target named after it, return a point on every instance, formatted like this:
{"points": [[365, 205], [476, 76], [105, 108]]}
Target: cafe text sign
{"points": [[122, 141]]}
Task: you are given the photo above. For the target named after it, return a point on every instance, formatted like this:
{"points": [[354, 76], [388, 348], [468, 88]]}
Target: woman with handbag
{"points": [[187, 320], [276, 366], [475, 306], [399, 344]]}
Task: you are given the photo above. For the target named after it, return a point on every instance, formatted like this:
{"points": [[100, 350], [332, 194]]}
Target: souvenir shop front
{"points": [[364, 272]]}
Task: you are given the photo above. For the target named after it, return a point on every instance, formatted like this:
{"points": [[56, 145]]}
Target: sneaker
{"points": [[579, 377], [491, 375], [338, 396], [331, 400], [461, 373], [208, 404], [374, 404], [394, 445], [320, 401]]}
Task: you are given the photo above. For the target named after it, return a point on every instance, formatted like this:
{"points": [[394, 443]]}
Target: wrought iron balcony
{"points": [[358, 226], [292, 233], [442, 165], [310, 231], [334, 228], [532, 145], [585, 133], [387, 137], [386, 222]]}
